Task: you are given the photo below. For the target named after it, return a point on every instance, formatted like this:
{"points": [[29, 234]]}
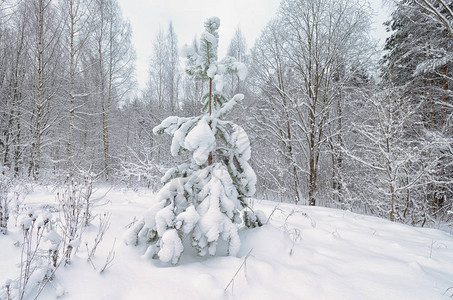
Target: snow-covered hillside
{"points": [[303, 253]]}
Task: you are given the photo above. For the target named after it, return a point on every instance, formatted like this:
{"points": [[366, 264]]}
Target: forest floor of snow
{"points": [[302, 253]]}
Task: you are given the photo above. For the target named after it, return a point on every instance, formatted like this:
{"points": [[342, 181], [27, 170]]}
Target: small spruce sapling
{"points": [[203, 198]]}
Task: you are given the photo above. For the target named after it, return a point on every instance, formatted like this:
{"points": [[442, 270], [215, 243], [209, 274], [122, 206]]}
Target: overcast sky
{"points": [[148, 16]]}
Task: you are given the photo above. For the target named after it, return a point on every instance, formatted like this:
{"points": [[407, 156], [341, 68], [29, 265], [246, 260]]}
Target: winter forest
{"points": [[313, 118]]}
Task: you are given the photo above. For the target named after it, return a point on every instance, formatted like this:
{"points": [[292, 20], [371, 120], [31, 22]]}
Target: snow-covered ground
{"points": [[303, 253]]}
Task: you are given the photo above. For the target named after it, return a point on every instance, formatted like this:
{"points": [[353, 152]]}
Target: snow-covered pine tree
{"points": [[202, 199]]}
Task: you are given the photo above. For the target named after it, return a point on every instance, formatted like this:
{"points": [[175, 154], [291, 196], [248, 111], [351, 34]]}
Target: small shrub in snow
{"points": [[203, 198], [39, 257], [75, 212], [293, 232], [48, 243]]}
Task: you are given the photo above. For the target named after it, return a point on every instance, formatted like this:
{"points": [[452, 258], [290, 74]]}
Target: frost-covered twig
{"points": [[276, 207], [295, 234], [8, 289], [86, 195], [95, 200], [109, 259], [244, 264], [431, 249], [131, 223], [104, 224], [47, 279], [447, 290], [89, 257]]}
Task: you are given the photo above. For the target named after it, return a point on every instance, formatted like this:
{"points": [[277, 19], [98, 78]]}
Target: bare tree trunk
{"points": [[105, 136], [337, 159], [7, 132], [105, 132], [106, 108], [293, 162], [289, 135], [210, 112], [445, 91], [392, 202], [71, 79], [17, 97], [312, 153], [312, 179], [36, 156], [390, 170]]}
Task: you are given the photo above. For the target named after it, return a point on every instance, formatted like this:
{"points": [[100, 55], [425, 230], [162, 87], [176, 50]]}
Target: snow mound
{"points": [[303, 252]]}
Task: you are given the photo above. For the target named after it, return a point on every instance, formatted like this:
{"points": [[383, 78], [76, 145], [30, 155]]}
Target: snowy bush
{"points": [[39, 257], [203, 198], [75, 212], [50, 241]]}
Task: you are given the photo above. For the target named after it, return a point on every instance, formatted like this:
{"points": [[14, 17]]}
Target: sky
{"points": [[147, 17]]}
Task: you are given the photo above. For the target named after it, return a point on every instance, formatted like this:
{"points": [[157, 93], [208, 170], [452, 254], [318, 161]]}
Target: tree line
{"points": [[338, 126], [66, 68], [331, 121]]}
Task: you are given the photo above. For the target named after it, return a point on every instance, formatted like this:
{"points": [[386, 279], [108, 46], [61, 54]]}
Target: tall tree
{"points": [[78, 28], [276, 134], [115, 69], [238, 50], [418, 63], [46, 59], [308, 46], [193, 91], [162, 90], [157, 89], [173, 68], [13, 85]]}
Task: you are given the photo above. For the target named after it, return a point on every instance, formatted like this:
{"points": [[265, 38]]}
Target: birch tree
{"points": [[115, 70], [173, 68], [13, 86], [78, 28], [309, 45], [238, 50], [281, 174], [46, 61]]}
